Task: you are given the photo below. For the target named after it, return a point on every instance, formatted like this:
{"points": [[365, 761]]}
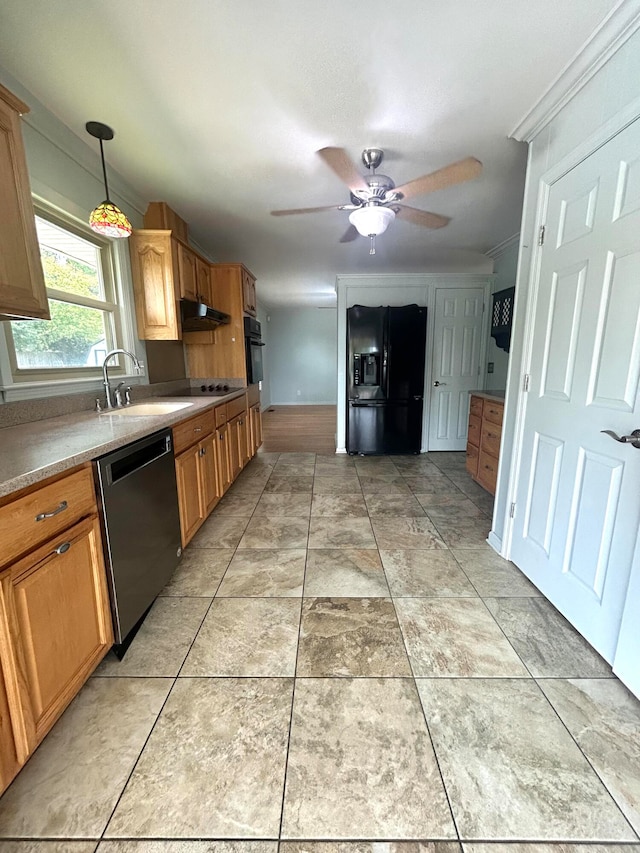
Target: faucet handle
{"points": [[127, 395], [118, 395]]}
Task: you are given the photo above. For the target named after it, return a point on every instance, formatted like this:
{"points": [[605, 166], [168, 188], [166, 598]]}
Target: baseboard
{"points": [[315, 403], [495, 542]]}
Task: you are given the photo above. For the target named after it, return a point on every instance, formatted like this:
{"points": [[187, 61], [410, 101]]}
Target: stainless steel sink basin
{"points": [[143, 410]]}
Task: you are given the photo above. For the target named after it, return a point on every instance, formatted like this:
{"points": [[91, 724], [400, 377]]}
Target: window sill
{"points": [[59, 387]]}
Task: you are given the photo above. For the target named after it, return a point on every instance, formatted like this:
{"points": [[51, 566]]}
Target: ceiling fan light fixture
{"points": [[372, 220], [107, 218]]}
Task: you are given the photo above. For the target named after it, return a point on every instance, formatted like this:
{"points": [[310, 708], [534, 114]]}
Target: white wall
{"points": [[504, 270], [608, 100], [395, 290], [302, 344]]}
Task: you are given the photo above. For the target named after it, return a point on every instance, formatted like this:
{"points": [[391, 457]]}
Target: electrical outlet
{"points": [[490, 367]]}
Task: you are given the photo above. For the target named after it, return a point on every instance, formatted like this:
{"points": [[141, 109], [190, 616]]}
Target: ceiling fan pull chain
{"points": [[372, 250]]}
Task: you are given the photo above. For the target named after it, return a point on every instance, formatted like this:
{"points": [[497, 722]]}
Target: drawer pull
{"points": [[62, 549], [197, 429], [61, 508]]}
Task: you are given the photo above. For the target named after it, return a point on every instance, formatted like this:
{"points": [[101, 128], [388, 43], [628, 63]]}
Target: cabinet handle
{"points": [[62, 549], [60, 508], [197, 429]]}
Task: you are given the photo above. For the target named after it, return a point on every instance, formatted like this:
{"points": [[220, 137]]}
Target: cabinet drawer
{"points": [[472, 459], [28, 521], [493, 412], [236, 407], [473, 436], [487, 471], [490, 441], [189, 432], [475, 406], [253, 395], [221, 415]]}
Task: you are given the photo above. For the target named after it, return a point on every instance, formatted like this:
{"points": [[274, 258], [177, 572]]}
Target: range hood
{"points": [[198, 317]]}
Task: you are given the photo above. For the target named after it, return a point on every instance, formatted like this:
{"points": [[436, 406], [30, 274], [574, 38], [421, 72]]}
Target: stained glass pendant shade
{"points": [[106, 218]]}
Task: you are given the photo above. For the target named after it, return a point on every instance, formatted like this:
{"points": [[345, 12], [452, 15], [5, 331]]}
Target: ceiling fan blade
{"points": [[306, 210], [339, 161], [454, 173], [349, 235], [421, 217]]}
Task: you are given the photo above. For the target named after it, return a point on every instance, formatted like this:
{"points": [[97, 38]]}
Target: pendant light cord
{"points": [[104, 172]]}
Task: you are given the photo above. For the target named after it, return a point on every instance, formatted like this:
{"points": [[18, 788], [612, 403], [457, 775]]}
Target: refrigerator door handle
{"points": [[418, 397]]}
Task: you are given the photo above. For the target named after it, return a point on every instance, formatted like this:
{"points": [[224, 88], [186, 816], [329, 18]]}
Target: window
{"points": [[85, 317]]}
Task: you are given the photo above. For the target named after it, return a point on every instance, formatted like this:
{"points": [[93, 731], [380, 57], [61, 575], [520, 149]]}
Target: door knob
{"points": [[437, 384], [633, 439]]}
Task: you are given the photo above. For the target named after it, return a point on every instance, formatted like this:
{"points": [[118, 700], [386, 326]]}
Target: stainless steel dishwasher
{"points": [[140, 525]]}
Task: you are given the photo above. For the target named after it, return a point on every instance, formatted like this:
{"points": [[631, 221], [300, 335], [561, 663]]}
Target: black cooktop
{"points": [[210, 391]]}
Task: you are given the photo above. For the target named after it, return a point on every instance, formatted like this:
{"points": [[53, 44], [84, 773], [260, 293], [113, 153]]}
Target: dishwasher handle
{"points": [[126, 462]]}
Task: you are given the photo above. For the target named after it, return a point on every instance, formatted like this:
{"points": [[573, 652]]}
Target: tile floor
{"points": [[342, 665]]}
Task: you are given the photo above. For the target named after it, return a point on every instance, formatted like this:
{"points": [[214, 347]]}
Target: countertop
{"points": [[34, 451], [498, 396]]}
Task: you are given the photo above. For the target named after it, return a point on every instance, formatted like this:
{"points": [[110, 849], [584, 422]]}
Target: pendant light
{"points": [[106, 218], [371, 220]]}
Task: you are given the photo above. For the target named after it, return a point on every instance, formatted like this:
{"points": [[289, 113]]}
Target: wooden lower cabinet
{"points": [[483, 440], [255, 419], [224, 457], [199, 488], [9, 761], [57, 623]]}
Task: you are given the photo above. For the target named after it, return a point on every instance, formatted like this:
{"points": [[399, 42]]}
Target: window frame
{"points": [[23, 383]]}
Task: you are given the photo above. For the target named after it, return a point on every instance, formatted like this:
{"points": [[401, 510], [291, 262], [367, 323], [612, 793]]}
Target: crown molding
{"points": [[619, 25], [500, 248]]}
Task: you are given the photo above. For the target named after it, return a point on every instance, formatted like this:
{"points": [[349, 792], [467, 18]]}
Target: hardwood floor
{"points": [[302, 429]]}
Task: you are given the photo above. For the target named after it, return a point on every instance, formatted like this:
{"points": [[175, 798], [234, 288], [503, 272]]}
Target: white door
{"points": [[457, 344], [626, 663], [578, 498]]}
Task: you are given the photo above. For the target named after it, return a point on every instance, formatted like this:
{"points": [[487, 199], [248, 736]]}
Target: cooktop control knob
{"points": [[212, 388], [203, 387]]}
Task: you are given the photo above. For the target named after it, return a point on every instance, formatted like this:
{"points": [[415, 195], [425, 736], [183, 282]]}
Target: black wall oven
{"points": [[253, 350]]}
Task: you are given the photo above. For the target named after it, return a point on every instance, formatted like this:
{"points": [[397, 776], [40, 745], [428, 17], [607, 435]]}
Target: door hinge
{"points": [[541, 233], [512, 511], [525, 384]]}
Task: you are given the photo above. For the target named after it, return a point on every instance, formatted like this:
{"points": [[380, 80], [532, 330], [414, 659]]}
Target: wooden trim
{"points": [[15, 103]]}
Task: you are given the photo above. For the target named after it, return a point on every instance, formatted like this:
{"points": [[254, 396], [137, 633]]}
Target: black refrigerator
{"points": [[385, 378]]}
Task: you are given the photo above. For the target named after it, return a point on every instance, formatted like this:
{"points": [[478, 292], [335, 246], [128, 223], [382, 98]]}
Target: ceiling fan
{"points": [[376, 200]]}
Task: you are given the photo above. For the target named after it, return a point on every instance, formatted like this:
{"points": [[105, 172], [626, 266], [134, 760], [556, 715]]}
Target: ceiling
{"points": [[219, 106]]}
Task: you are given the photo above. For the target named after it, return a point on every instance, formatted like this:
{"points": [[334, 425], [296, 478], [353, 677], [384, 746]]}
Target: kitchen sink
{"points": [[140, 410]]}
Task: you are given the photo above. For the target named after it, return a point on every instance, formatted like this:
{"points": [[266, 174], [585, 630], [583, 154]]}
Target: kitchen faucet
{"points": [[105, 376]]}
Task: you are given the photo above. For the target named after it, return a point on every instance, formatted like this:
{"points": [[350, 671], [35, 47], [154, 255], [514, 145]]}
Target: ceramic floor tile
{"points": [[396, 532], [187, 847], [350, 636], [220, 531], [344, 572], [375, 487], [247, 488], [345, 506], [369, 847], [459, 510], [385, 504], [47, 846], [294, 469], [293, 504], [361, 764], [604, 718], [462, 532], [430, 485], [524, 847], [297, 457], [464, 482], [448, 497], [241, 505], [328, 485], [200, 572], [272, 532], [544, 639], [325, 466], [226, 737], [455, 637], [493, 576], [327, 532], [246, 637], [416, 574], [277, 573], [72, 783], [289, 484], [511, 769], [162, 643]]}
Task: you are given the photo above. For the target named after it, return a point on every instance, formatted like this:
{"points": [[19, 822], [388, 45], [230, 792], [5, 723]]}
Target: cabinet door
{"points": [[224, 463], [187, 272], [235, 458], [244, 439], [256, 428], [189, 492], [60, 620], [9, 763], [154, 270], [248, 293], [209, 477], [22, 289], [203, 281]]}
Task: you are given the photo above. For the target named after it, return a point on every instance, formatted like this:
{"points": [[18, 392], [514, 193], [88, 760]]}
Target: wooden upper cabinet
{"points": [[249, 293], [187, 273], [160, 216], [154, 268], [203, 282], [22, 288]]}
